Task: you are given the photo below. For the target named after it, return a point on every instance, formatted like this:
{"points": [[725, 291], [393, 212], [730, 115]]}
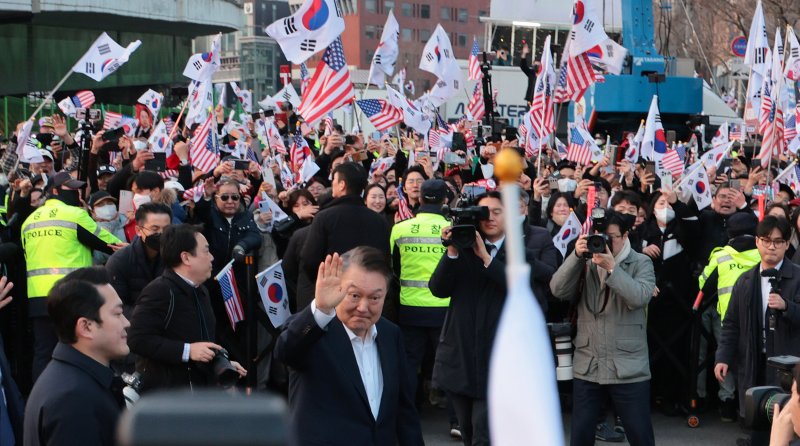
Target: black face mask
{"points": [[70, 197], [153, 241]]}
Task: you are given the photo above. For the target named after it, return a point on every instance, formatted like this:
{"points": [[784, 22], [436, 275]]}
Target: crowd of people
{"points": [[394, 255]]}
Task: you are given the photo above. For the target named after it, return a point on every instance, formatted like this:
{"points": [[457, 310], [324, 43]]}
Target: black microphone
{"points": [[773, 274]]}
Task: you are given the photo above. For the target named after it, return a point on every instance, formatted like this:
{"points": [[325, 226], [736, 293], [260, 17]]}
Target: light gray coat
{"points": [[610, 346]]}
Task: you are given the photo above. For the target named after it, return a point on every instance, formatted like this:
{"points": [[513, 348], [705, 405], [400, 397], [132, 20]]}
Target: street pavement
{"points": [[669, 431]]}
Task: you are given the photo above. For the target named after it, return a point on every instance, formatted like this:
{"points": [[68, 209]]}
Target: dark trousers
{"points": [[631, 404], [473, 416], [418, 341], [44, 341]]}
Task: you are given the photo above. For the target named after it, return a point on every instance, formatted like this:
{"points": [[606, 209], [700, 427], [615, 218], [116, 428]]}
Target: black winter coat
{"points": [[345, 223], [740, 343], [223, 236], [477, 295], [546, 258], [169, 314], [131, 272]]}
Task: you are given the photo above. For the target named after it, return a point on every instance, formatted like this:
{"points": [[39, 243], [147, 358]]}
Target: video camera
{"points": [[759, 401], [465, 223], [597, 242]]}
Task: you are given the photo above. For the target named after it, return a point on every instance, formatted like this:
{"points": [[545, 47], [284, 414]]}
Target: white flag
{"points": [[314, 26], [202, 66], [386, 54], [274, 295], [269, 103], [287, 94], [104, 57], [266, 204], [721, 137], [245, 97], [758, 43], [23, 135], [792, 70], [67, 107], [220, 90], [200, 97], [309, 169], [30, 152], [399, 79], [159, 139], [697, 183], [587, 29], [412, 116], [569, 232], [654, 142], [438, 57], [609, 56], [153, 100]]}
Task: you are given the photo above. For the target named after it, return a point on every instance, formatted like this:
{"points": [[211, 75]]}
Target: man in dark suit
{"points": [[345, 222], [12, 407], [761, 321], [348, 381], [475, 281], [172, 329], [72, 402]]}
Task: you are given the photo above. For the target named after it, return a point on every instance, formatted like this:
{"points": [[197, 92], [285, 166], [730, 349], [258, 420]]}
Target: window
{"points": [[407, 10], [462, 40], [424, 35], [370, 32], [444, 12], [405, 33], [483, 14], [369, 55], [425, 11], [388, 5], [371, 5], [463, 15]]}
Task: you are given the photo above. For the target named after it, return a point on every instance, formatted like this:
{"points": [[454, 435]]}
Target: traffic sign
{"points": [[739, 46]]}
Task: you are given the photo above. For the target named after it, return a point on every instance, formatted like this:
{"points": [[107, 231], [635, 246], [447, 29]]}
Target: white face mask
{"points": [[665, 215], [140, 199], [567, 185], [106, 212], [139, 145]]}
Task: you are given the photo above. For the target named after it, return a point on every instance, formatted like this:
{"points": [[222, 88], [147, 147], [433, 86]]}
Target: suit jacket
{"points": [[170, 312], [740, 343], [327, 400]]}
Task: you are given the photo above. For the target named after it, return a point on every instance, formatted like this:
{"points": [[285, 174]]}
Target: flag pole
{"points": [[50, 95], [177, 120], [786, 170]]}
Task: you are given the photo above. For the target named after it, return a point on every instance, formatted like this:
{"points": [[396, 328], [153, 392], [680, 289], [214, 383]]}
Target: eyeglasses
{"points": [[226, 197], [770, 243]]}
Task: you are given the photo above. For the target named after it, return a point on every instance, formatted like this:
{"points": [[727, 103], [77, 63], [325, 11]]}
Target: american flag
{"points": [[168, 125], [300, 151], [230, 294], [275, 139], [672, 162], [586, 226], [330, 88], [575, 75], [474, 68], [767, 112], [476, 106], [304, 78], [203, 151], [195, 193], [83, 99], [790, 127], [380, 113], [734, 132], [561, 148], [111, 120], [328, 120], [579, 150], [403, 211]]}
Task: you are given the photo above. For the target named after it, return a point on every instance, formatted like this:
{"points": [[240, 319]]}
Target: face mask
{"points": [[665, 215], [139, 145], [140, 199], [153, 241], [70, 197], [106, 212], [567, 185]]}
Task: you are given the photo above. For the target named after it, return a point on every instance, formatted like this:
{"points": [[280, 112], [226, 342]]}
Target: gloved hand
{"points": [[238, 253]]}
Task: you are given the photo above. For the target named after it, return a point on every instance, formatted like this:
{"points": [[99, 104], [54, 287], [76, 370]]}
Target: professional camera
{"points": [[465, 222], [759, 401], [561, 341], [226, 373], [597, 242], [133, 385]]}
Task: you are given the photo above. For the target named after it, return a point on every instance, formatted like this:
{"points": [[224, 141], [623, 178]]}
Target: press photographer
{"points": [[613, 287], [473, 276], [782, 409]]}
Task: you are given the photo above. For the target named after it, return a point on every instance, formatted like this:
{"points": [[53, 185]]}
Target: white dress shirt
{"points": [[366, 354]]}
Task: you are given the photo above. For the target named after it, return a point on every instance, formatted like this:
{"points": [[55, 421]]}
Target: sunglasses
{"points": [[226, 197]]}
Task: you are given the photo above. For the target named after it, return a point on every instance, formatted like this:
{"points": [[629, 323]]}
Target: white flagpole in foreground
{"points": [[523, 397]]}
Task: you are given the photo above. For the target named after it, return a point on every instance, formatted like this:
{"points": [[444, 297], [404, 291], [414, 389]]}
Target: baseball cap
{"points": [[106, 170], [46, 154], [433, 190], [100, 196], [65, 179]]}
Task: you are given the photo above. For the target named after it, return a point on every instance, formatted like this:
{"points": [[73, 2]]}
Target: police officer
{"points": [[725, 265], [58, 238], [416, 248]]}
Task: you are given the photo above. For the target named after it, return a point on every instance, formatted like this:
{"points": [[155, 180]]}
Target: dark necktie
{"points": [[490, 248]]}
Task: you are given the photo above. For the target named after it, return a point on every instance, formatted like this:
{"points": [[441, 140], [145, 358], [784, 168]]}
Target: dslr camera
{"points": [[465, 223], [597, 242], [224, 371], [759, 401]]}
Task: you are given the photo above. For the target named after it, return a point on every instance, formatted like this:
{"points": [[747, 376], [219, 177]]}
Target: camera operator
{"points": [[763, 315], [611, 296], [474, 279], [786, 421]]}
